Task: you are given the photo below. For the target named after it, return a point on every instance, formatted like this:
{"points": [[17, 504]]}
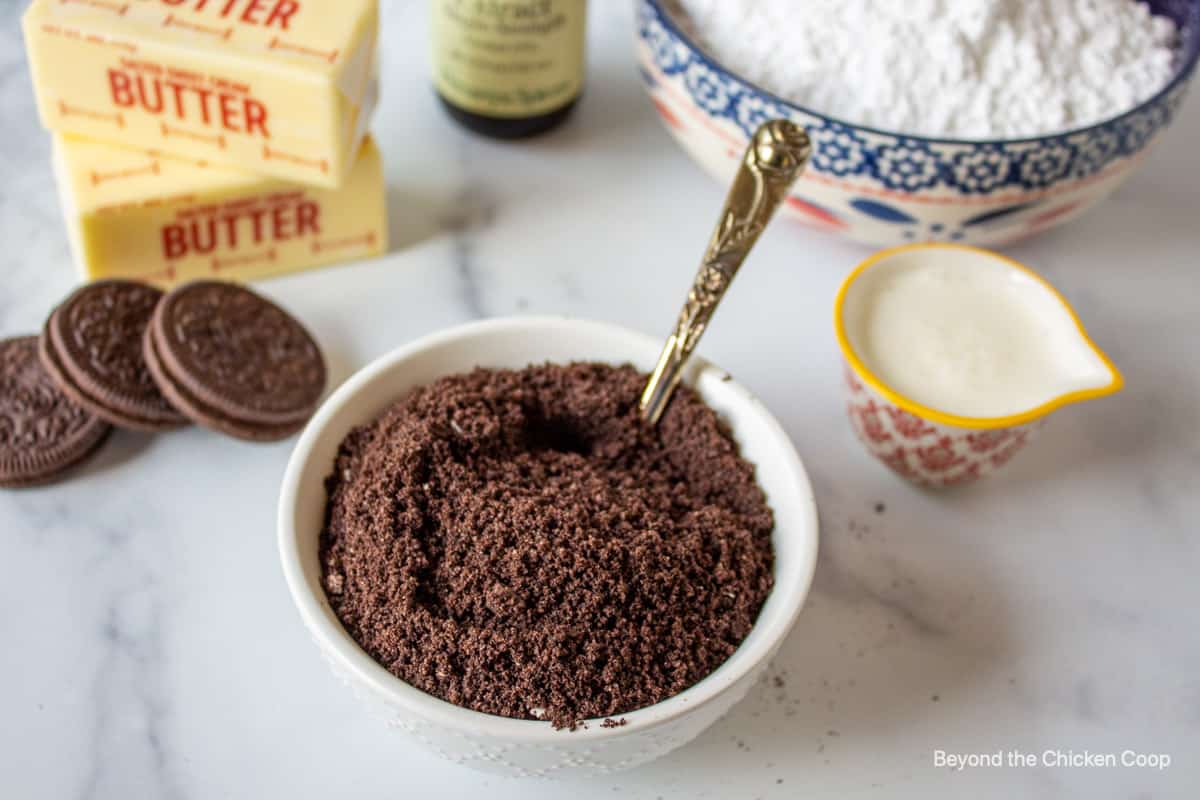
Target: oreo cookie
{"points": [[92, 346], [234, 361], [43, 432]]}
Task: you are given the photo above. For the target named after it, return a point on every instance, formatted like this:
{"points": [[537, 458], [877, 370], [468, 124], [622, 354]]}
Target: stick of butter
{"points": [[142, 214], [281, 87]]}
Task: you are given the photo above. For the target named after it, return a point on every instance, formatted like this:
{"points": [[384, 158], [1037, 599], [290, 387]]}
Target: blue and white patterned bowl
{"points": [[886, 188]]}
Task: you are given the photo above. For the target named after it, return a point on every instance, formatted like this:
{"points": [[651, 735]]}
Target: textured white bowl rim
{"points": [[788, 594]]}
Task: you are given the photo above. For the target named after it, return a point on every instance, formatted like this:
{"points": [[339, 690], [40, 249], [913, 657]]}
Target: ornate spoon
{"points": [[776, 155]]}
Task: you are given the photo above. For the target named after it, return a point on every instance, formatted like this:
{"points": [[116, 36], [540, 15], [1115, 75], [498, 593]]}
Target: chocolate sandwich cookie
{"points": [[234, 361], [42, 431], [206, 415], [92, 346]]}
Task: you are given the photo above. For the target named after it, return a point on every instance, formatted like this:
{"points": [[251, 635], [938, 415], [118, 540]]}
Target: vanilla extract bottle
{"points": [[508, 68]]}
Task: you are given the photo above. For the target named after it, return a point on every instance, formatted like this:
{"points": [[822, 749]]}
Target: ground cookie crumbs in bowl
{"points": [[519, 543]]}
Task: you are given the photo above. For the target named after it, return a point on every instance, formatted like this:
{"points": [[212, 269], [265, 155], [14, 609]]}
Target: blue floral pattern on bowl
{"points": [[883, 187]]}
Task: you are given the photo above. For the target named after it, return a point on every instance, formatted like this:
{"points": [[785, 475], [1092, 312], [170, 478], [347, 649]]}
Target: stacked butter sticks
{"points": [[197, 140]]}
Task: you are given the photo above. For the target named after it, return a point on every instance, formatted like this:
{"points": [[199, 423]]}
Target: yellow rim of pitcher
{"points": [[941, 417]]}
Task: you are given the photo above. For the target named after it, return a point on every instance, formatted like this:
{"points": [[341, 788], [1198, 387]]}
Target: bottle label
{"points": [[508, 58]]}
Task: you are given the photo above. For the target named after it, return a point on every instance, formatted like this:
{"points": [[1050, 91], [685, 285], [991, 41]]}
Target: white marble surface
{"points": [[150, 648]]}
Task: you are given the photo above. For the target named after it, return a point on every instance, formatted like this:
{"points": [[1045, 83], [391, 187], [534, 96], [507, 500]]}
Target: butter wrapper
{"points": [[280, 87], [159, 218]]}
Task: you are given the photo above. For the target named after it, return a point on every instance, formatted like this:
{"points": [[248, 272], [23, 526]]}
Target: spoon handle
{"points": [[776, 155]]}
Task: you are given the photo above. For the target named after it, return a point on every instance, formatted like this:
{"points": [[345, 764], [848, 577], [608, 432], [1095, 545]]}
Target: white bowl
{"points": [[527, 747]]}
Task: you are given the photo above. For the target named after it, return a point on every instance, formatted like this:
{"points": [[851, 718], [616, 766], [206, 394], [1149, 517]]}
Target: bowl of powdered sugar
{"points": [[981, 121]]}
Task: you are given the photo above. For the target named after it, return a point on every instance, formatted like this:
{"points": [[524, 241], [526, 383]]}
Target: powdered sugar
{"points": [[956, 68]]}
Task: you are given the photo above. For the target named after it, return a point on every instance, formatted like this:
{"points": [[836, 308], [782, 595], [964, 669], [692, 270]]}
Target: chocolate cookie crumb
{"points": [[520, 543], [609, 722]]}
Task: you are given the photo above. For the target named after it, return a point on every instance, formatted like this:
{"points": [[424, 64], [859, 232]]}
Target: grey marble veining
{"points": [[150, 648]]}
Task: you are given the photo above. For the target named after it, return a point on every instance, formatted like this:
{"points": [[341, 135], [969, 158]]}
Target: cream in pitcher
{"points": [[953, 354]]}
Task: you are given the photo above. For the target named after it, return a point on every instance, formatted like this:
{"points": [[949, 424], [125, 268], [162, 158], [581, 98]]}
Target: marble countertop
{"points": [[150, 648]]}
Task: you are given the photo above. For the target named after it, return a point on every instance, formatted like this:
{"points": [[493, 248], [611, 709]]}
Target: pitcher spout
{"points": [[1087, 373]]}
